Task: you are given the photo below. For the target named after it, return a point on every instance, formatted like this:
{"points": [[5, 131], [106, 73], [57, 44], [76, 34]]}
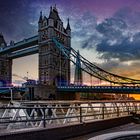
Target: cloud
{"points": [[117, 37], [15, 22], [118, 41], [126, 69], [115, 40], [130, 16], [84, 29]]}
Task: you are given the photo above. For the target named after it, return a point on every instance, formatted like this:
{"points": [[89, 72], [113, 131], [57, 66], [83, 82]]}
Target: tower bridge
{"points": [[53, 44]]}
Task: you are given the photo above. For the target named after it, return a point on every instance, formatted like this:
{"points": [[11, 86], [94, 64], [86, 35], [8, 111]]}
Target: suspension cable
{"points": [[93, 70]]}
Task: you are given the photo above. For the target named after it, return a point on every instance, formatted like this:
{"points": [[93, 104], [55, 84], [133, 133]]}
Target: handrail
{"points": [[40, 115]]}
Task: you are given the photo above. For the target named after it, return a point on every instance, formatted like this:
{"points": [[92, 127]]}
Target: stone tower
{"points": [[5, 66], [54, 68]]}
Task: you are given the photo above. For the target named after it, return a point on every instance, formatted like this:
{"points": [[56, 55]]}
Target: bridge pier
{"points": [[5, 71], [50, 92], [68, 96], [44, 92], [5, 65]]}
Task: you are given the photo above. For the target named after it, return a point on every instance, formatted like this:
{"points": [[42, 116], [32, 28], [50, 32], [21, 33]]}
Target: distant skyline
{"points": [[107, 32]]}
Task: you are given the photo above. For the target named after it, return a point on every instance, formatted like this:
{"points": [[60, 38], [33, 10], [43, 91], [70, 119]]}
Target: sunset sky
{"points": [[107, 32]]}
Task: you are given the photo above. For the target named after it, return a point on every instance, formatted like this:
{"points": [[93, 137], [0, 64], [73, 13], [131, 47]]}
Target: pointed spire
{"points": [[2, 41], [12, 43], [1, 35], [51, 12], [54, 13], [55, 7], [40, 18], [51, 8], [68, 25]]}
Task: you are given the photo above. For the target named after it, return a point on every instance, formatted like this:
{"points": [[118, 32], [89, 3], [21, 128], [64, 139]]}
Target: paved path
{"points": [[127, 127]]}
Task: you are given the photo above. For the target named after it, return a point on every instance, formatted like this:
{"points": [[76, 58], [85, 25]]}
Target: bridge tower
{"points": [[5, 66], [54, 68]]}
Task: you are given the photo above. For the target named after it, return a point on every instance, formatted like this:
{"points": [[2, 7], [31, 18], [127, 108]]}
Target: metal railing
{"points": [[42, 114]]}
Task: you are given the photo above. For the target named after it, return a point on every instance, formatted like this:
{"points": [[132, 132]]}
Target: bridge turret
{"points": [[2, 41], [50, 19], [54, 19], [54, 13], [68, 29], [12, 43], [40, 20]]}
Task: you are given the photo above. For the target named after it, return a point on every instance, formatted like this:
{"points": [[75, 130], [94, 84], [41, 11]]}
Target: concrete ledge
{"points": [[111, 136], [65, 131]]}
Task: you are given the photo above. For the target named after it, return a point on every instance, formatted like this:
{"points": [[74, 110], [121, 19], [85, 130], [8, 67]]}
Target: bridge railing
{"points": [[41, 114]]}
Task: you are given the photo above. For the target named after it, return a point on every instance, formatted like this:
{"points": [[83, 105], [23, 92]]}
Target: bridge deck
{"points": [[100, 89]]}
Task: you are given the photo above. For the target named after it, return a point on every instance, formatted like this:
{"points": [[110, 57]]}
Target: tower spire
{"points": [[40, 18], [2, 41], [54, 13], [68, 25]]}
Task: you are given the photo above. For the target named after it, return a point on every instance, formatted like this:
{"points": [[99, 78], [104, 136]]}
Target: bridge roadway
{"points": [[85, 89], [7, 90], [100, 89]]}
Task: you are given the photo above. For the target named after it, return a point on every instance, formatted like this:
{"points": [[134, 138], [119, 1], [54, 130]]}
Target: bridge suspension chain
{"points": [[94, 70]]}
